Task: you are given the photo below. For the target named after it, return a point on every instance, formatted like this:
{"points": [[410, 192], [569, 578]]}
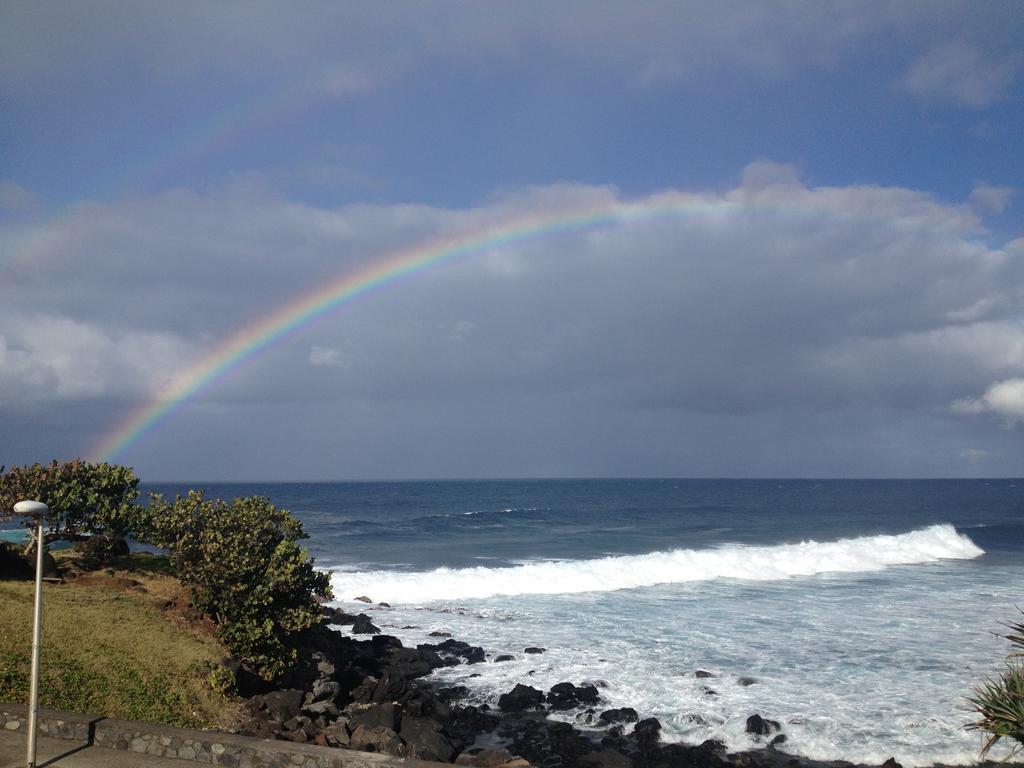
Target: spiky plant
{"points": [[1000, 702]]}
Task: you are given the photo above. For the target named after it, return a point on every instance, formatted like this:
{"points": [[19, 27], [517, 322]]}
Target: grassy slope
{"points": [[110, 648]]}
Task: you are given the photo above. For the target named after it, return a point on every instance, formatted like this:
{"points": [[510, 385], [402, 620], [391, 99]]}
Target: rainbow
{"points": [[299, 313]]}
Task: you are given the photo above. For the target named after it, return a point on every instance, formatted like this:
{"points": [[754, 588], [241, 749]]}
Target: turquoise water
{"points": [[18, 536]]}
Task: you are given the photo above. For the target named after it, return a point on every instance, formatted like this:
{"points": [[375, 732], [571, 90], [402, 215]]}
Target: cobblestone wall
{"points": [[206, 747], [59, 725]]}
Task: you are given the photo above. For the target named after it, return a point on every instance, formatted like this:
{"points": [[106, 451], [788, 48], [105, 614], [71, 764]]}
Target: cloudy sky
{"points": [[836, 289]]}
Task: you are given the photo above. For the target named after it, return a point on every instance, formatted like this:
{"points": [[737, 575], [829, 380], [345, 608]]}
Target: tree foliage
{"points": [[1000, 702], [83, 497], [246, 570]]}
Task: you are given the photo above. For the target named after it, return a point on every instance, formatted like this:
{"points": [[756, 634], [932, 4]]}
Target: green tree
{"points": [[1000, 702], [83, 497], [246, 570]]}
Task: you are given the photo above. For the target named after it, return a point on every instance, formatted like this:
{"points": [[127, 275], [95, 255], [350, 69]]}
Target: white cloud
{"points": [[1004, 399], [989, 198], [773, 294], [47, 357], [964, 74]]}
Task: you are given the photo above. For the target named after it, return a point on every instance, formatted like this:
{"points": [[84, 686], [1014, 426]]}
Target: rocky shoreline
{"points": [[370, 695]]}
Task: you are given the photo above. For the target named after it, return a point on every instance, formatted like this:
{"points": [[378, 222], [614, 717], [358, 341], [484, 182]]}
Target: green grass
{"points": [[108, 651]]}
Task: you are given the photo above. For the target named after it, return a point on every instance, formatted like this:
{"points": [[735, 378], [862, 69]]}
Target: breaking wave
{"points": [[606, 574]]}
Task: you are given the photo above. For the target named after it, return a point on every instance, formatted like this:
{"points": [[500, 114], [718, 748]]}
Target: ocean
{"points": [[856, 613]]}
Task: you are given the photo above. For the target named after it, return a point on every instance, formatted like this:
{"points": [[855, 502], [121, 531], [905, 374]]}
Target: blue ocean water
{"points": [[863, 610]]}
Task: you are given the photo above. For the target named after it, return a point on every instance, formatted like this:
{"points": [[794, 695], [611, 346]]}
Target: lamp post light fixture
{"points": [[37, 510]]}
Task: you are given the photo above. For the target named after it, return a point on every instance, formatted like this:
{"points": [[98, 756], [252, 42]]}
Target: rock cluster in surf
{"points": [[369, 695]]}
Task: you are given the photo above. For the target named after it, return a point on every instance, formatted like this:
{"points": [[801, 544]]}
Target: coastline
{"points": [[372, 694], [361, 688]]}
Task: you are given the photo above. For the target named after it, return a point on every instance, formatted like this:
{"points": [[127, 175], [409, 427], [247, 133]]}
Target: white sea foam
{"points": [[731, 561], [858, 667]]}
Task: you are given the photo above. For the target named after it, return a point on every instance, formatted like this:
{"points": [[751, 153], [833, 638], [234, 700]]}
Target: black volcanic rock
{"points": [[363, 626], [759, 726], [520, 698], [647, 732], [623, 715], [279, 705], [379, 716], [457, 649], [338, 616], [426, 740], [569, 696]]}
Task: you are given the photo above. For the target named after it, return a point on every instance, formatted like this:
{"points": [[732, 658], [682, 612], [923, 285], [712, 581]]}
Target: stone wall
{"points": [[58, 725], [207, 747]]}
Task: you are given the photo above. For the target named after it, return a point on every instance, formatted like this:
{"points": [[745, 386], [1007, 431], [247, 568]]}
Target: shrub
{"points": [[98, 551], [221, 680], [1000, 702], [246, 570], [82, 497]]}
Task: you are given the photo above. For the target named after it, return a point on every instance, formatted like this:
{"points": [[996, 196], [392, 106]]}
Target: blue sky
{"points": [[168, 173]]}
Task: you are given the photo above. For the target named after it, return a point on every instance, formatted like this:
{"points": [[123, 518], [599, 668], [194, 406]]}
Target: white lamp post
{"points": [[37, 510]]}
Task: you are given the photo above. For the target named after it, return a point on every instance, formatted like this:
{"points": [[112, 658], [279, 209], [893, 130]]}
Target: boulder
{"points": [[759, 726], [413, 662], [623, 715], [383, 645], [280, 705], [336, 734], [299, 729], [520, 698], [534, 649], [363, 693], [325, 690], [456, 648], [424, 702], [468, 722], [647, 731], [390, 687], [324, 667], [453, 693], [327, 709], [363, 599], [338, 616], [12, 564], [363, 626], [378, 716], [701, 673], [504, 657], [569, 696], [425, 740], [383, 740]]}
